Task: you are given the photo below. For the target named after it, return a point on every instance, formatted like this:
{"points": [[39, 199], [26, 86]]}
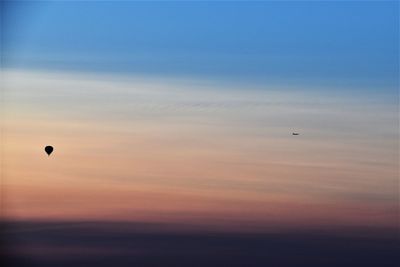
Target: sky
{"points": [[346, 45], [182, 113]]}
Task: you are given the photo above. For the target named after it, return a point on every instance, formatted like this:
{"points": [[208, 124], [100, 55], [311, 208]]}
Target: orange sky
{"points": [[189, 151]]}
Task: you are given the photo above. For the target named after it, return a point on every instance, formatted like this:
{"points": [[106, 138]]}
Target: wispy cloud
{"points": [[139, 148]]}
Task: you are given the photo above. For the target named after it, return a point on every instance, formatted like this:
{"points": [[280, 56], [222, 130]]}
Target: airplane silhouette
{"points": [[295, 133]]}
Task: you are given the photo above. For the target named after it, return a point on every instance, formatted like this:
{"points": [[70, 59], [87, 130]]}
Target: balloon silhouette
{"points": [[48, 150]]}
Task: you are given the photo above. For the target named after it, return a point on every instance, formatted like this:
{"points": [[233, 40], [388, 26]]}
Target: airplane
{"points": [[295, 134]]}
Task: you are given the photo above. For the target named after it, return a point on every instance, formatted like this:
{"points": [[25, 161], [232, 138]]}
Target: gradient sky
{"points": [[183, 112], [350, 44]]}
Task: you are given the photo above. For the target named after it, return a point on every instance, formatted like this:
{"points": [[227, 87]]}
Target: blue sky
{"points": [[332, 44]]}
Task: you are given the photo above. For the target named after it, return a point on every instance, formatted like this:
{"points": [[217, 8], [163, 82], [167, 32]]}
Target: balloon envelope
{"points": [[48, 150]]}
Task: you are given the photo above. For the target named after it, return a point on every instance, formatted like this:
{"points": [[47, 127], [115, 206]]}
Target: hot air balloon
{"points": [[48, 150]]}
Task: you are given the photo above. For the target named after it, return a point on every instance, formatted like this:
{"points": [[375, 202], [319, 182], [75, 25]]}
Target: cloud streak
{"points": [[185, 150]]}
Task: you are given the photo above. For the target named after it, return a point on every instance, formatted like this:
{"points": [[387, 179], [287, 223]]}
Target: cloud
{"points": [[142, 148]]}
